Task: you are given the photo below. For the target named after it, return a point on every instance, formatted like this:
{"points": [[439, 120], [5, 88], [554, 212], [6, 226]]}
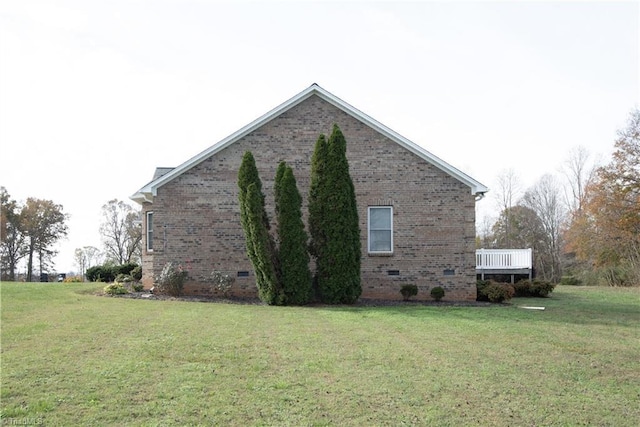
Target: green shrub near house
{"points": [[136, 273], [222, 282], [499, 292], [437, 293], [171, 280], [100, 273], [108, 272], [409, 290], [480, 287], [115, 289], [488, 290], [533, 288]]}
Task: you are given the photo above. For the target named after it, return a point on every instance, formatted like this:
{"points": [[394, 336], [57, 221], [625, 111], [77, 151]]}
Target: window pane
{"points": [[149, 231], [380, 241], [380, 229], [380, 219]]}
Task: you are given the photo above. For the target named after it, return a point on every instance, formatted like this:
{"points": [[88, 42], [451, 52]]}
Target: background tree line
{"points": [[583, 223], [30, 230]]}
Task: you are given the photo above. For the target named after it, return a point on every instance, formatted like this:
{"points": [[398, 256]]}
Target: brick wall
{"points": [[197, 219]]}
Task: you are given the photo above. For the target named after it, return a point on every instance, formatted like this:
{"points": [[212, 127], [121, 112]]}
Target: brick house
{"points": [[417, 213]]}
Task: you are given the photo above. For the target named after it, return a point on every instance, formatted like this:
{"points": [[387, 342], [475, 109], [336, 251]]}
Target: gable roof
{"points": [[147, 192], [161, 171]]}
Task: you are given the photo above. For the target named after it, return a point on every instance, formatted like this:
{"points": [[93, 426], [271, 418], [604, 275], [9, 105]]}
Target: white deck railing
{"points": [[503, 259]]}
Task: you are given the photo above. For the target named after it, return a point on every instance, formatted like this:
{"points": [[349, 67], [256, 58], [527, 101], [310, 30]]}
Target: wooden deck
{"points": [[504, 262]]}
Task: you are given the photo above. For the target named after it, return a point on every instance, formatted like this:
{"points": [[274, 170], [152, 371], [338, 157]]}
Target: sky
{"points": [[94, 95]]}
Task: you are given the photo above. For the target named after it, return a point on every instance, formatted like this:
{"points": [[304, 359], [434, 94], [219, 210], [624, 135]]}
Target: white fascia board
{"points": [[141, 197]]}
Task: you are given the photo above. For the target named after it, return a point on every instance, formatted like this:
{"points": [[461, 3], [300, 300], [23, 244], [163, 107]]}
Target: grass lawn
{"points": [[70, 357]]}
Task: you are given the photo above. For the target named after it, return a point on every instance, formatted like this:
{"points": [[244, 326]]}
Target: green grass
{"points": [[73, 358]]}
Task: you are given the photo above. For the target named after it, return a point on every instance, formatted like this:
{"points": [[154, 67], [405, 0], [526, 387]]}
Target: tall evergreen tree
{"points": [[248, 174], [334, 222], [277, 186], [316, 203], [292, 252], [269, 289], [261, 248]]}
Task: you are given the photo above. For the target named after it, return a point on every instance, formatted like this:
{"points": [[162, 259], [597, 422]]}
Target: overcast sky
{"points": [[95, 94]]}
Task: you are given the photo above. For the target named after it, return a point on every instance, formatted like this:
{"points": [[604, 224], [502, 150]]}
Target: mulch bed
{"points": [[362, 302]]}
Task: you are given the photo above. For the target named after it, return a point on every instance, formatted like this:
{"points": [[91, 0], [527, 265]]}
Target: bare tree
{"points": [[579, 172], [508, 190], [92, 255], [121, 232], [526, 230], [86, 257], [544, 199], [484, 236]]}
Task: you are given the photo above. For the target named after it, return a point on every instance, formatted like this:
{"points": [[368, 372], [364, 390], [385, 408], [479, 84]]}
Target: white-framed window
{"points": [[380, 229], [149, 231]]}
